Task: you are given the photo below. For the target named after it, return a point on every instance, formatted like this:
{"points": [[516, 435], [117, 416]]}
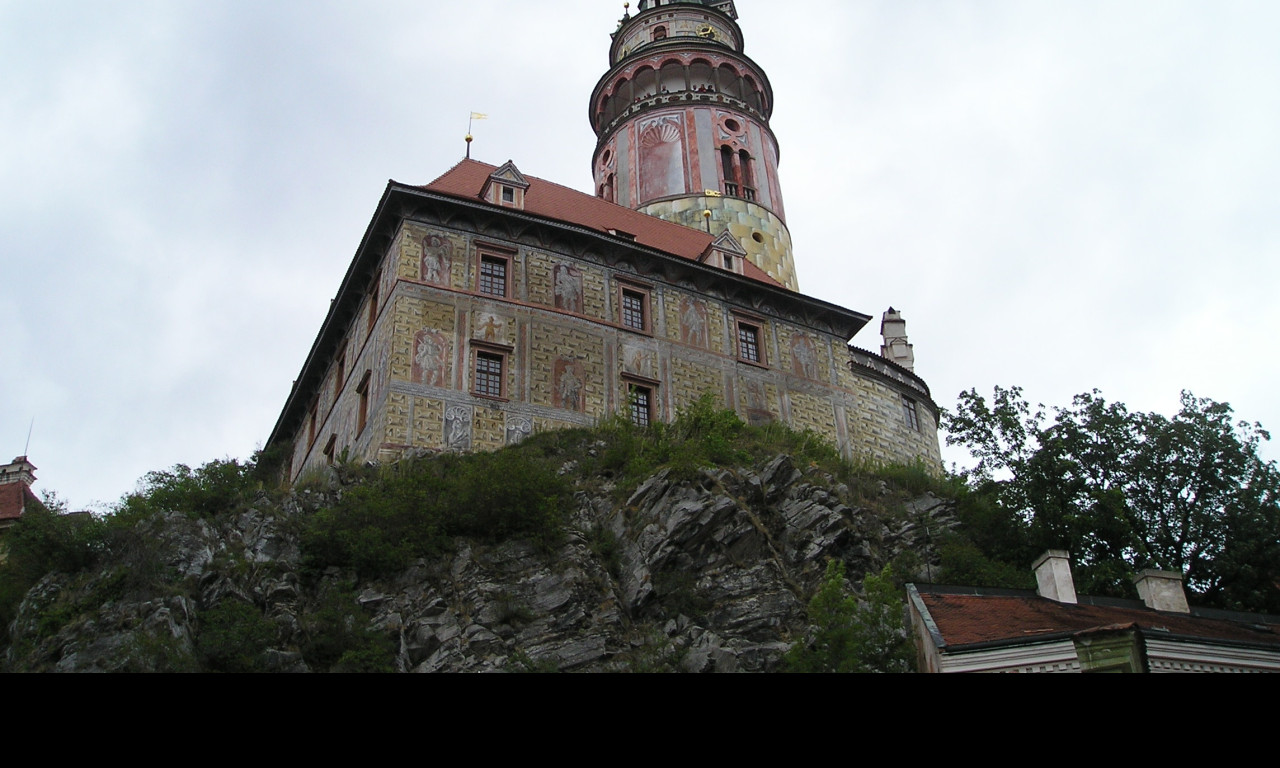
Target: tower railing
{"points": [[733, 189], [677, 97]]}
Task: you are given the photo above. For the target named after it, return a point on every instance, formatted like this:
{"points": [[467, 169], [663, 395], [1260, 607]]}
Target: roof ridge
{"points": [[452, 168]]}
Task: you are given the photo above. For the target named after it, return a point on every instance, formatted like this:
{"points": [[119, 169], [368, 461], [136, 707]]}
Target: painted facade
{"points": [[488, 305]]}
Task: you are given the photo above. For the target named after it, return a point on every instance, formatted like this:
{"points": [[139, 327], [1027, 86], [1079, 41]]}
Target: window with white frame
{"points": [[910, 414]]}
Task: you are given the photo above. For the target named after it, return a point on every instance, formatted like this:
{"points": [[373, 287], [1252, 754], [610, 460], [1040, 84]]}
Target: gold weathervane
{"points": [[474, 116]]}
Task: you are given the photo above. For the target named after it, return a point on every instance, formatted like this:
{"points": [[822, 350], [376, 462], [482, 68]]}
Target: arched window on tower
{"points": [[747, 175], [727, 172], [659, 33], [607, 194], [739, 173]]}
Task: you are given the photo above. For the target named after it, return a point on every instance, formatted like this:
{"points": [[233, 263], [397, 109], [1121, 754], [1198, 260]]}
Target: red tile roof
{"points": [[13, 498], [968, 619], [544, 198]]}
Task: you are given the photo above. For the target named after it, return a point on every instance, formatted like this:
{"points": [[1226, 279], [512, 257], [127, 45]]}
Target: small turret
{"points": [[896, 347]]}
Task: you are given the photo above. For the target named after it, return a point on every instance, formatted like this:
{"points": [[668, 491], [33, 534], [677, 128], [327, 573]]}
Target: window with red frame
{"points": [[749, 343], [488, 382], [493, 275]]}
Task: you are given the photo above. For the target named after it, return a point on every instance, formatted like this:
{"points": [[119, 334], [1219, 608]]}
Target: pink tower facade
{"points": [[682, 120]]}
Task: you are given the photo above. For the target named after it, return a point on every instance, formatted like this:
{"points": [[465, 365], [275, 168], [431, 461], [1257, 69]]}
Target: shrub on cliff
{"points": [[414, 509]]}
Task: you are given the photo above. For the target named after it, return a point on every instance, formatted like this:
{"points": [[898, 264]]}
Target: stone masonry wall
{"points": [[746, 221]]}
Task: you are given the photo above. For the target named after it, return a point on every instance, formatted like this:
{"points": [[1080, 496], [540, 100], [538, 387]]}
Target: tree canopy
{"points": [[1124, 491]]}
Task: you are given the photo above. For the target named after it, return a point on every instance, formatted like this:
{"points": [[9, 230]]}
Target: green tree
{"points": [[1124, 491], [854, 634]]}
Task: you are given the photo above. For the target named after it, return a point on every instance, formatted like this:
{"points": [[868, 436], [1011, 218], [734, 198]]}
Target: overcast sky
{"points": [[1058, 194]]}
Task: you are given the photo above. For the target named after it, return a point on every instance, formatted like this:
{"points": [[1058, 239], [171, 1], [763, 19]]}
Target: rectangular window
{"points": [[633, 309], [508, 195], [329, 448], [749, 348], [489, 377], [362, 416], [493, 275], [641, 405], [373, 300], [634, 300], [909, 413]]}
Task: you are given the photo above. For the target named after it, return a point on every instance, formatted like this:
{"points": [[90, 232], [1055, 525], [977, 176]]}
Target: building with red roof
{"points": [[487, 304], [966, 629]]}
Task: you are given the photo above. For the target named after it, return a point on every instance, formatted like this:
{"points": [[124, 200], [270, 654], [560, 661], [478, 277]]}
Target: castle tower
{"points": [[682, 120]]}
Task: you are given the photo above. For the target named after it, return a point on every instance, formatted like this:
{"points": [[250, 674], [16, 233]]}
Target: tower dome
{"points": [[682, 126]]}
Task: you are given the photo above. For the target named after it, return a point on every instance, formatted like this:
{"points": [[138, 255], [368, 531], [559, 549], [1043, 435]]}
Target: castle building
{"points": [[488, 305], [16, 479]]}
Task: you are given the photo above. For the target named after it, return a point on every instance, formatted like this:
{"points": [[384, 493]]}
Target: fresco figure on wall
{"points": [[693, 322], [639, 362], [569, 384], [491, 328], [758, 412], [662, 158], [518, 429], [457, 428], [803, 360], [430, 358], [437, 256], [568, 288]]}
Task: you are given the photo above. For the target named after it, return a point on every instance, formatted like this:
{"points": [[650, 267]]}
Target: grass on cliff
{"points": [[416, 508]]}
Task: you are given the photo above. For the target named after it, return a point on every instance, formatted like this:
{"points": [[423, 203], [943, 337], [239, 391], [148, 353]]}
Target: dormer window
{"points": [[726, 252], [506, 187]]}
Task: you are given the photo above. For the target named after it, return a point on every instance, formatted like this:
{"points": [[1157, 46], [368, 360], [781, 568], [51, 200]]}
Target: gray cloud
{"points": [[1058, 195]]}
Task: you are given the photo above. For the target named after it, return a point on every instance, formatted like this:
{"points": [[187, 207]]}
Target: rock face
{"points": [[707, 575]]}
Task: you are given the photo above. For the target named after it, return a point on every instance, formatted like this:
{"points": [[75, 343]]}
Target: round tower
{"points": [[682, 120]]}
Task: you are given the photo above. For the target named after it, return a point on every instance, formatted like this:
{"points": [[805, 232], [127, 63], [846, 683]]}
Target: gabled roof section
{"points": [[967, 617], [470, 178], [728, 243], [510, 174]]}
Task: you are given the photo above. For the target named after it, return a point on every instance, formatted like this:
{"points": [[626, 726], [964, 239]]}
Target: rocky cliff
{"points": [[711, 572]]}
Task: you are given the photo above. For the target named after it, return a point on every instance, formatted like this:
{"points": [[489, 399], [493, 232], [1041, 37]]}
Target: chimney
{"points": [[896, 347], [1162, 591], [1053, 576]]}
